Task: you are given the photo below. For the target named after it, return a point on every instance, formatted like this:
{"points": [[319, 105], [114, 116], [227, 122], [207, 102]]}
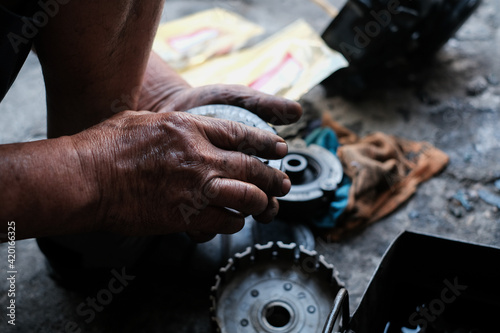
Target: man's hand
{"points": [[276, 110], [147, 172], [171, 172]]}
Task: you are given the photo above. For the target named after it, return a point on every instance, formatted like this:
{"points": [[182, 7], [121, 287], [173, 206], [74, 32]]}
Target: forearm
{"points": [[44, 189], [93, 54]]}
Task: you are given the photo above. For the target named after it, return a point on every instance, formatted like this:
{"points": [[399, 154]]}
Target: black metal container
{"points": [[431, 284]]}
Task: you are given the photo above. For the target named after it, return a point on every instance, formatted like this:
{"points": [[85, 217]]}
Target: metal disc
{"points": [[273, 288], [239, 115]]}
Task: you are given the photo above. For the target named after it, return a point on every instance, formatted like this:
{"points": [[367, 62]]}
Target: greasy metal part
{"points": [[208, 257], [273, 288], [339, 317], [239, 115], [280, 230], [315, 174]]}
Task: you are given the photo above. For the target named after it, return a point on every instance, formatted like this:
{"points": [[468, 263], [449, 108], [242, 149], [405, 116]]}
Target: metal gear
{"points": [[273, 288], [315, 174], [239, 115]]}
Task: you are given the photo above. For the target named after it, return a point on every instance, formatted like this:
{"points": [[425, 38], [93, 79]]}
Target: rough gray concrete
{"points": [[462, 119]]}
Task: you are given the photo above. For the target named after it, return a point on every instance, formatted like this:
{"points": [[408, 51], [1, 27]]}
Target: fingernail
{"points": [[287, 185], [281, 148]]}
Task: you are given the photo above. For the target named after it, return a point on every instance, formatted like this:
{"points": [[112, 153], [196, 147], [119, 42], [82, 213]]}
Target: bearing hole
{"points": [[294, 162], [277, 316], [295, 165]]}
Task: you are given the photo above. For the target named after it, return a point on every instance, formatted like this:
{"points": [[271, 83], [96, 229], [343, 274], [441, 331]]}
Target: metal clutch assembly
{"points": [[274, 288], [314, 171], [315, 174], [277, 287], [239, 115]]}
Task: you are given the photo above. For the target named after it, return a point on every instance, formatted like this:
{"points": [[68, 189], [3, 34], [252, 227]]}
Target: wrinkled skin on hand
{"points": [[155, 96], [159, 173], [270, 108]]}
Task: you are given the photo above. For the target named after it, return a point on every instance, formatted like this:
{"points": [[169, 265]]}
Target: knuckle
{"points": [[211, 189], [274, 181], [126, 113], [253, 199], [236, 131], [250, 168], [264, 177], [174, 120]]}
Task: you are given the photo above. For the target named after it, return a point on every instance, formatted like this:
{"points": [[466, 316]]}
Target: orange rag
{"points": [[385, 172]]}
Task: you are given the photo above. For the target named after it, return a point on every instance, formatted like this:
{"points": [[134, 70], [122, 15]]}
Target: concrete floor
{"points": [[464, 126]]}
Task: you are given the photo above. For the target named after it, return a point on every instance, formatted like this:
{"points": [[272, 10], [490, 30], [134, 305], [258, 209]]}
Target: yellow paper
{"points": [[195, 38], [287, 64]]}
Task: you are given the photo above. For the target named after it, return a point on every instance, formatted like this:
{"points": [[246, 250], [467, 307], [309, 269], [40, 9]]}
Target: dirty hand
{"points": [[273, 109], [157, 173]]}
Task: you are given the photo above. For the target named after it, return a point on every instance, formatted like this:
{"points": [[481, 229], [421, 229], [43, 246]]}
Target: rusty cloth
{"points": [[385, 172]]}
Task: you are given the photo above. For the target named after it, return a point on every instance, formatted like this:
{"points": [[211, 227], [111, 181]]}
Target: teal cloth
{"points": [[326, 137]]}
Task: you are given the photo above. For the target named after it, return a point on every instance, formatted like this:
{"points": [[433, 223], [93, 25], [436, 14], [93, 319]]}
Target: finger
{"points": [[231, 135], [273, 109], [269, 213], [217, 220], [235, 165], [243, 197], [200, 237]]}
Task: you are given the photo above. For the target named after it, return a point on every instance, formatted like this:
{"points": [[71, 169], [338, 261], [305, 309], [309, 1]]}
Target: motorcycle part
{"points": [[315, 174], [208, 257], [239, 115], [374, 32], [387, 42], [273, 288]]}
